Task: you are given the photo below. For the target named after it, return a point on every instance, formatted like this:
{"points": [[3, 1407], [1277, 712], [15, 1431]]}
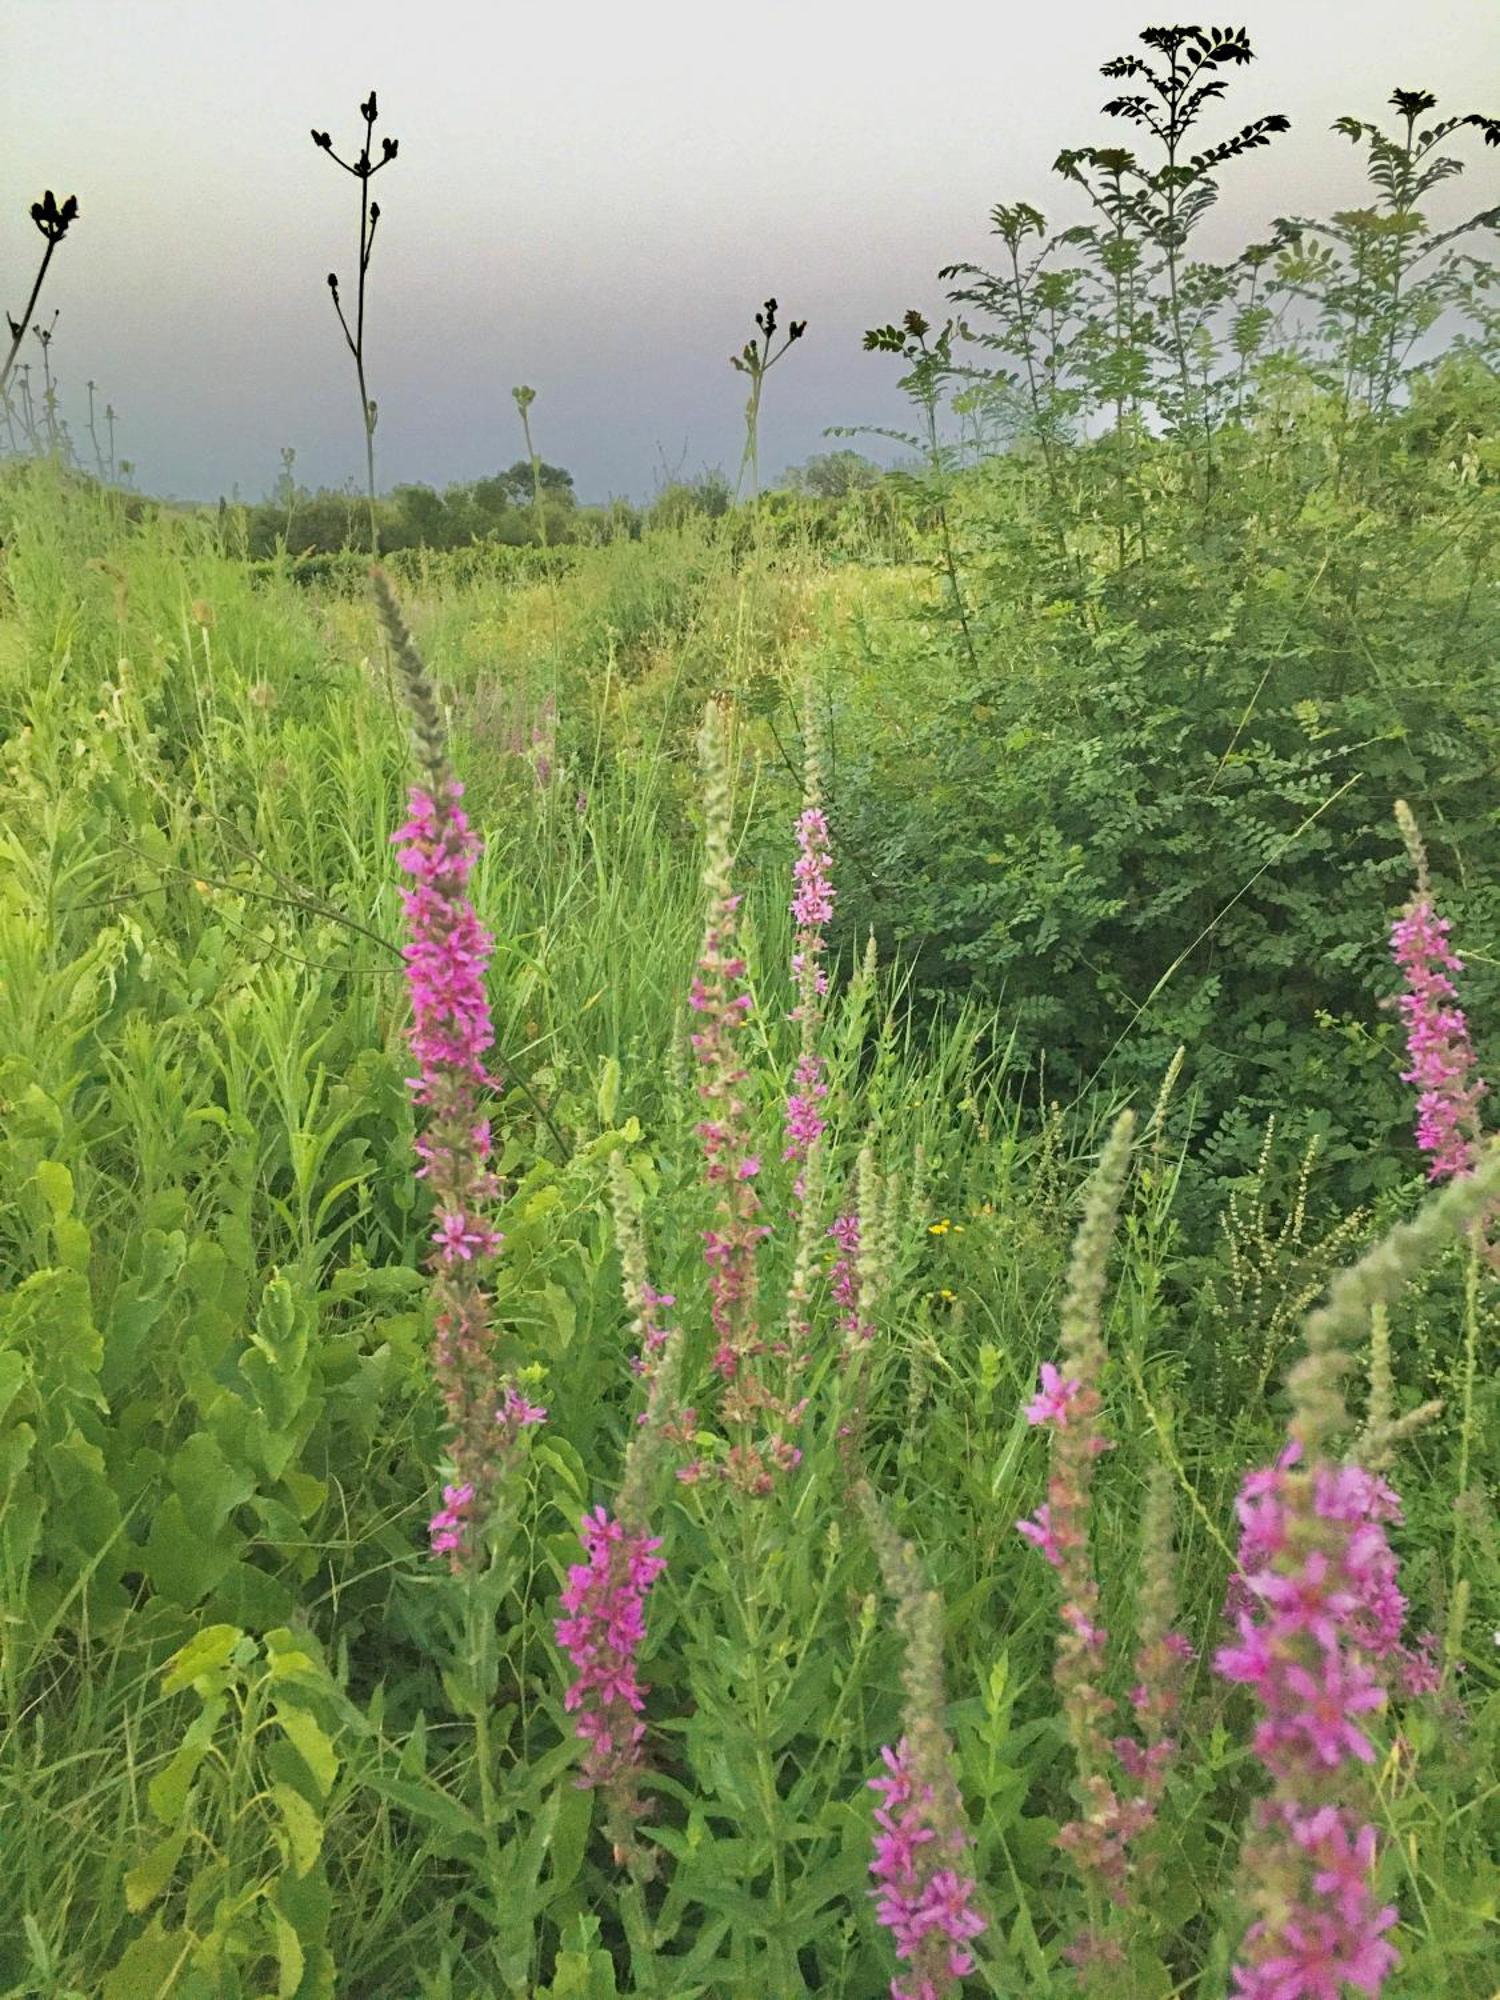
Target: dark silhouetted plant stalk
{"points": [[524, 398], [27, 407], [53, 219], [756, 359], [364, 169], [55, 429], [94, 434], [1172, 199]]}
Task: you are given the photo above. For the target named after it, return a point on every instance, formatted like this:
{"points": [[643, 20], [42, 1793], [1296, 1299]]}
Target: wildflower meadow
{"points": [[754, 1250]]}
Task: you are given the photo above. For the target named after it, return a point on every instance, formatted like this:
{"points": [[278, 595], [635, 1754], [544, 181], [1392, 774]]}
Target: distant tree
{"points": [[422, 519], [830, 475], [514, 488], [708, 497]]}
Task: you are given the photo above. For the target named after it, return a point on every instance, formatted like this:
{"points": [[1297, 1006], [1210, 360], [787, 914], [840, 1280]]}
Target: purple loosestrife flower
{"points": [[1069, 1405], [1437, 1041], [922, 1898], [812, 908], [1162, 1657], [447, 955], [604, 1600], [1318, 1616], [759, 1414], [1443, 1064], [722, 1007], [921, 1852], [1318, 1608], [844, 1278]]}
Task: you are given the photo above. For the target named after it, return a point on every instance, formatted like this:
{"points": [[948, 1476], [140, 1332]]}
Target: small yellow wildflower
{"points": [[939, 1228]]}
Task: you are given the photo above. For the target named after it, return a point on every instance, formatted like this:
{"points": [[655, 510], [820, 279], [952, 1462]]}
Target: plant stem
{"points": [[786, 1981], [25, 319]]}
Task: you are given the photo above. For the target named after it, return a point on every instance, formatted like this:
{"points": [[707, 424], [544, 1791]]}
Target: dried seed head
{"points": [[322, 140], [388, 148], [51, 219]]}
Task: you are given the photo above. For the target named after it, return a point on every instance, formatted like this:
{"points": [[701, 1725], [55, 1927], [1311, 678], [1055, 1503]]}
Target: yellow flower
{"points": [[939, 1228]]}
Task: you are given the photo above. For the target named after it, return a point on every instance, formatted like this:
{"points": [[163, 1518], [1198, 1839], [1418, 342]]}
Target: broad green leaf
{"points": [[168, 1790], [75, 1246], [210, 1487], [56, 1184], [312, 1744], [12, 1377], [181, 1563], [302, 1826], [570, 1838], [291, 1960], [146, 1881], [148, 1968], [204, 1653]]}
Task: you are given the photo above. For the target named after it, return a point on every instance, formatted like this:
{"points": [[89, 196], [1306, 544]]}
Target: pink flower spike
{"points": [[1443, 1065], [1039, 1531], [1050, 1406], [923, 1888], [605, 1601], [446, 956]]}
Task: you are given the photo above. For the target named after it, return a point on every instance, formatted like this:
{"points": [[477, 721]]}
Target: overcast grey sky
{"points": [[592, 198]]}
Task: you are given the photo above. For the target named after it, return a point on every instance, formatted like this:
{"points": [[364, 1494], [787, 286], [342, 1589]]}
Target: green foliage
{"points": [[1112, 725]]}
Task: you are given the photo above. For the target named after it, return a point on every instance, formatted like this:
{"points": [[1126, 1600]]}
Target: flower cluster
{"points": [[1070, 1407], [805, 1124], [604, 1602], [1102, 1841], [448, 1526], [447, 955], [924, 1894], [654, 1336], [844, 1278], [925, 1887], [1317, 1609], [731, 1164], [761, 1414], [1437, 1042]]}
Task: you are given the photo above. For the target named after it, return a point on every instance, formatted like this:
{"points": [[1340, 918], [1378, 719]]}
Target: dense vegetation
{"points": [[1086, 733]]}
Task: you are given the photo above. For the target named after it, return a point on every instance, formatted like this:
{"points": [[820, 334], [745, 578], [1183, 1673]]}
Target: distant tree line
{"points": [[502, 508]]}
